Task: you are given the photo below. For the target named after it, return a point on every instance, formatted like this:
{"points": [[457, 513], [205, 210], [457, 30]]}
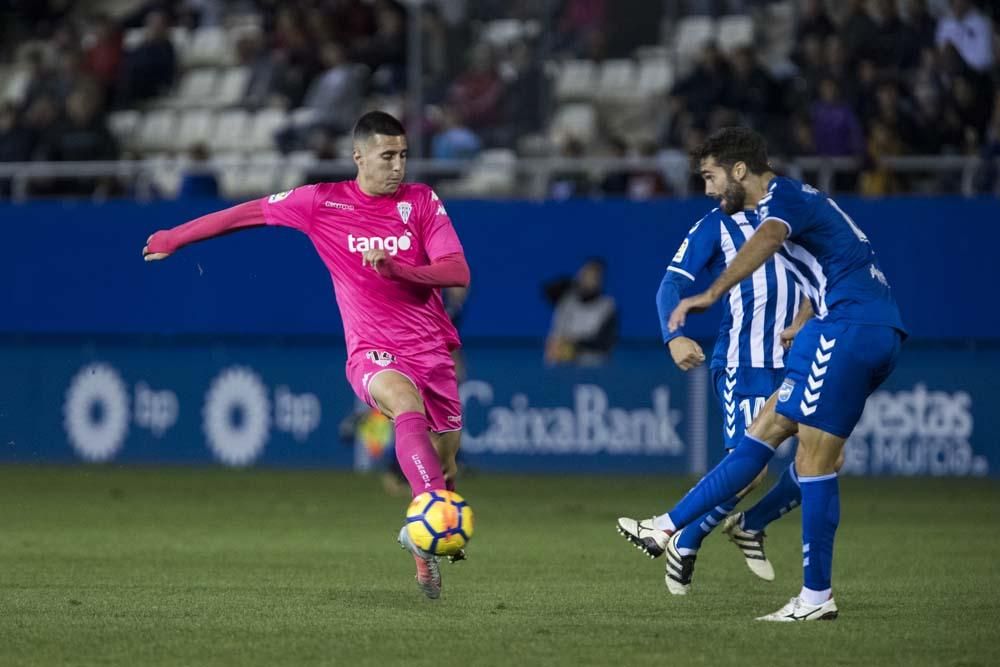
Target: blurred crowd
{"points": [[865, 79]]}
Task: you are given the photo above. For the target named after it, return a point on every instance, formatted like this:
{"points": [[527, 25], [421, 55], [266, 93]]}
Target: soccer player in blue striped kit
{"points": [[747, 367], [838, 358]]}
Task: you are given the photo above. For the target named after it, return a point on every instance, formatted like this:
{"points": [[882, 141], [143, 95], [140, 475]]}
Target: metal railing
{"points": [[498, 178]]}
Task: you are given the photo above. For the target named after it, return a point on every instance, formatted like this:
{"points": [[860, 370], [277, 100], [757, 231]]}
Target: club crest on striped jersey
{"points": [[380, 357], [405, 208], [785, 392]]}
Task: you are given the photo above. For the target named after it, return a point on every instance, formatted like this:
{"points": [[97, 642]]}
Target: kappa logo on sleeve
{"points": [[275, 198]]}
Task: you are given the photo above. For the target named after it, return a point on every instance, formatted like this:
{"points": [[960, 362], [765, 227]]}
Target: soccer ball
{"points": [[439, 522]]}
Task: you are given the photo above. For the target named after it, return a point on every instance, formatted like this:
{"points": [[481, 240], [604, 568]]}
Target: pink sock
{"points": [[416, 454]]}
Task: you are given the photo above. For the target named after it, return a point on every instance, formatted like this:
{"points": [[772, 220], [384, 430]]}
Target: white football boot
{"points": [[647, 539], [798, 609], [751, 544], [680, 568]]}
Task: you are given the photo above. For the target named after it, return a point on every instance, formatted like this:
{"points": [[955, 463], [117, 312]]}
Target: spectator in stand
{"points": [[16, 142], [385, 52], [876, 179], [265, 72], [295, 58], [919, 28], [199, 181], [752, 93], [970, 32], [580, 28], [707, 85], [82, 134], [350, 21], [893, 113], [477, 93], [813, 22], [102, 56], [585, 323], [570, 182], [858, 32], [836, 129], [453, 140], [636, 184], [149, 69]]}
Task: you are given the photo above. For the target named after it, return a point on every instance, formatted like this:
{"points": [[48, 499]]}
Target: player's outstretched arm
{"points": [[758, 249], [449, 270], [165, 242]]}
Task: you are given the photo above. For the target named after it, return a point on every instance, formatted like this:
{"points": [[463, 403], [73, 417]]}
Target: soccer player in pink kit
{"points": [[390, 248]]}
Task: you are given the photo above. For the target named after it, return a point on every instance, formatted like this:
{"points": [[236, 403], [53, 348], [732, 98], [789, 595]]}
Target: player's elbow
{"points": [[463, 276]]}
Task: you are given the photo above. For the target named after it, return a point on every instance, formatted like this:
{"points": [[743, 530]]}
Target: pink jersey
{"points": [[412, 226]]}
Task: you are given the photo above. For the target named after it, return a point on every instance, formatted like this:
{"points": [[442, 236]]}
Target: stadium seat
{"points": [[692, 33], [157, 131], [196, 89], [231, 85], [15, 86], [493, 173], [263, 127], [123, 125], [617, 80], [166, 173], [195, 127], [208, 46], [735, 31], [656, 76], [294, 173], [577, 120], [231, 128], [575, 80]]}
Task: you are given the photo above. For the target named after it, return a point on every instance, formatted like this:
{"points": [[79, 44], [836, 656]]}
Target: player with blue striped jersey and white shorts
{"points": [[839, 357], [747, 367]]}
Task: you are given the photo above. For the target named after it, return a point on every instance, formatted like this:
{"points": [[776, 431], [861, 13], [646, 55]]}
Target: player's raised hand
{"points": [[686, 353], [692, 304], [150, 256]]}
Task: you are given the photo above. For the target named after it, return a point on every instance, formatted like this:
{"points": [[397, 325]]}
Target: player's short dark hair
{"points": [[730, 145], [377, 122]]}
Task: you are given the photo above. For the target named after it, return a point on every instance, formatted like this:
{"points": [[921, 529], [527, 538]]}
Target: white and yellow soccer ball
{"points": [[439, 522]]}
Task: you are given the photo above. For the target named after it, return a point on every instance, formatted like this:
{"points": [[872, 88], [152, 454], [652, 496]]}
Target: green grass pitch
{"points": [[110, 566]]}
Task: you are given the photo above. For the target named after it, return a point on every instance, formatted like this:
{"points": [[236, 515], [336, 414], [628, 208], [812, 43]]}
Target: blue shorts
{"points": [[832, 369], [742, 392]]}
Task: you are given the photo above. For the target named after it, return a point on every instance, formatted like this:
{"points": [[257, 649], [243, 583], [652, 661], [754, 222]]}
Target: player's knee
{"points": [[398, 396], [772, 428]]}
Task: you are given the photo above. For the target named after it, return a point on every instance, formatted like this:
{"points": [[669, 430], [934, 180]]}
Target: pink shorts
{"points": [[433, 374]]}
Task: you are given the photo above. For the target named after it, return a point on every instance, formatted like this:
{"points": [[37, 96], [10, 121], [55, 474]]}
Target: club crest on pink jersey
{"points": [[405, 208], [380, 357]]}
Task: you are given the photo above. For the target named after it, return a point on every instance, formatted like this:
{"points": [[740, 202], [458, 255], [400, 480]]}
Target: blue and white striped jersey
{"points": [[755, 311], [830, 256]]}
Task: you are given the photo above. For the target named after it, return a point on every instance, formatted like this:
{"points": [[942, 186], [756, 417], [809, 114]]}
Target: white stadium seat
{"points": [[617, 79], [15, 86], [577, 120], [693, 32], [208, 46], [575, 80], [157, 131], [656, 76], [123, 125], [196, 127], [231, 128], [231, 85], [197, 87], [734, 32], [263, 127]]}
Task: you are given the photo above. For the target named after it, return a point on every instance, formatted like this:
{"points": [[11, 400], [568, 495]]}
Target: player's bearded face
{"points": [[381, 163], [734, 196]]}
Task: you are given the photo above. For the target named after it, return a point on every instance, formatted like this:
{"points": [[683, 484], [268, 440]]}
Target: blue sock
{"points": [[693, 535], [820, 516], [724, 481], [783, 497]]}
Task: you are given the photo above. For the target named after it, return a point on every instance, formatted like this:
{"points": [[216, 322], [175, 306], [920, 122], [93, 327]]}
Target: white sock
{"points": [[815, 597], [686, 552], [663, 522]]}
